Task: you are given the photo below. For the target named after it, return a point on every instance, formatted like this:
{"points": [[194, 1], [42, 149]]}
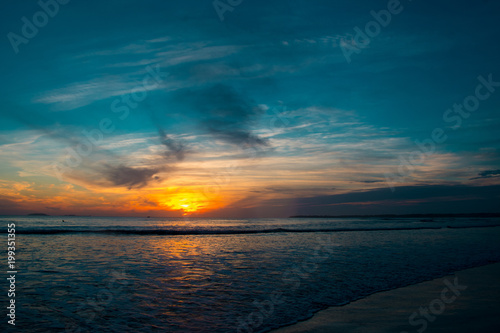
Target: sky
{"points": [[244, 109]]}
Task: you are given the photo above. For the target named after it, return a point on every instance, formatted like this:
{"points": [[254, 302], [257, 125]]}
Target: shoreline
{"points": [[465, 301]]}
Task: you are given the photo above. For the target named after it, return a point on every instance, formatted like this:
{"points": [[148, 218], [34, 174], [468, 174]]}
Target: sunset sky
{"points": [[161, 108]]}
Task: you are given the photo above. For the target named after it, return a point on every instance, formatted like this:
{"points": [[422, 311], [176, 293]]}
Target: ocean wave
{"points": [[205, 231]]}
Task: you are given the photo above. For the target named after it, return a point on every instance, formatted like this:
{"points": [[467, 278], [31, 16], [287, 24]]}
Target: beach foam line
{"points": [[467, 301]]}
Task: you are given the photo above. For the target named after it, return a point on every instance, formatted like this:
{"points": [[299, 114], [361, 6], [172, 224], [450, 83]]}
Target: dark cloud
{"points": [[225, 114], [174, 147], [405, 193], [7, 203], [286, 189], [238, 137], [404, 200], [92, 168], [488, 174], [131, 177]]}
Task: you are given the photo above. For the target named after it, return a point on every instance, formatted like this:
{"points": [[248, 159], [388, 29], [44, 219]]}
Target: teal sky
{"points": [[258, 114]]}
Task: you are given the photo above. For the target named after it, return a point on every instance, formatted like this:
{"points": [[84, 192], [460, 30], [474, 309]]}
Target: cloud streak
{"points": [[174, 147], [226, 114], [131, 177], [488, 174]]}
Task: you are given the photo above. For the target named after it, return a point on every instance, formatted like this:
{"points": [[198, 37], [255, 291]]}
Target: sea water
{"points": [[103, 274]]}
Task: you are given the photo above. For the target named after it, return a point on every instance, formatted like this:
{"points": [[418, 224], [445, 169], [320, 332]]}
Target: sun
{"points": [[188, 205], [188, 201]]}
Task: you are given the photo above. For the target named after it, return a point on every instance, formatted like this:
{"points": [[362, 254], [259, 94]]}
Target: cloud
{"points": [[106, 165], [174, 147], [405, 193], [225, 114], [79, 94], [7, 203], [289, 189], [488, 174], [131, 177], [406, 199], [82, 93], [197, 52]]}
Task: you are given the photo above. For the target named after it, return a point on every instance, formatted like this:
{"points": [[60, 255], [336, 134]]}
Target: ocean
{"points": [[116, 274]]}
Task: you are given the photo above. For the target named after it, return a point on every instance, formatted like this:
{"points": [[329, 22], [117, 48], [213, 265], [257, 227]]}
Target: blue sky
{"points": [[259, 114]]}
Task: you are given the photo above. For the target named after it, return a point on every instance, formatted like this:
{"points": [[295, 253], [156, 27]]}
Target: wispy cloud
{"points": [[131, 177], [225, 113], [488, 174], [77, 95]]}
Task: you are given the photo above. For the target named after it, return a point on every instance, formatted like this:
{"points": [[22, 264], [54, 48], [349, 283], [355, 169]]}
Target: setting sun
{"points": [[187, 201]]}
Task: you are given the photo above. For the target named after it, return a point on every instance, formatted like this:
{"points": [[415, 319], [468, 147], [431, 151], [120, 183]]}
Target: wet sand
{"points": [[468, 301]]}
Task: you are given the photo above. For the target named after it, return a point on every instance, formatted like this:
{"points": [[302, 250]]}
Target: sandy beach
{"points": [[468, 301]]}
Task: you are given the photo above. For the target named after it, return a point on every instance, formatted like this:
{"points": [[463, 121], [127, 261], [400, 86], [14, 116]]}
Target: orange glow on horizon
{"points": [[70, 199], [188, 201]]}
